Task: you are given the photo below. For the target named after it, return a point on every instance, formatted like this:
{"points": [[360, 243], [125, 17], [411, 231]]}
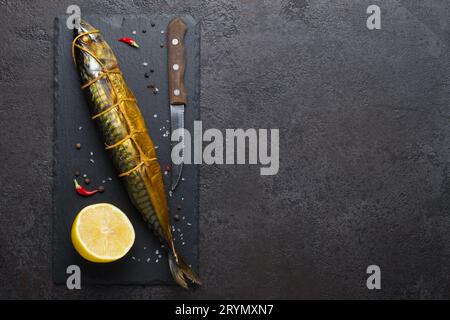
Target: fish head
{"points": [[92, 53]]}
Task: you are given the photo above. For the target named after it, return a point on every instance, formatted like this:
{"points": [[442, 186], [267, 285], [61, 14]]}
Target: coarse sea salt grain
{"points": [[157, 260], [80, 128], [155, 116], [189, 224], [133, 258], [157, 252], [148, 260], [144, 64], [92, 160]]}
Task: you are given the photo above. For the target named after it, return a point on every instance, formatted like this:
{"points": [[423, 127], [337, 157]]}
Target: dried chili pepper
{"points": [[82, 191], [129, 41]]}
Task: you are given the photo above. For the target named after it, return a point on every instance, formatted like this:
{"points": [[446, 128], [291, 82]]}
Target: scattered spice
{"points": [[78, 146], [161, 45], [144, 31], [101, 189], [146, 75], [129, 41], [152, 70], [87, 180], [150, 86], [152, 24], [82, 191], [167, 167], [77, 173], [179, 207], [176, 217]]}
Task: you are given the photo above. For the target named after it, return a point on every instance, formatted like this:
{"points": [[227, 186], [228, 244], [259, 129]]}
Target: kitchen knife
{"points": [[177, 93]]}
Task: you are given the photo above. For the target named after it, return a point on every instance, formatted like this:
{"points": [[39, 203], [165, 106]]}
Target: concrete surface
{"points": [[364, 154]]}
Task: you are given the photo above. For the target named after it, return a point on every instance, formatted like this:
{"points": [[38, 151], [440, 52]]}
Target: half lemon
{"points": [[102, 233]]}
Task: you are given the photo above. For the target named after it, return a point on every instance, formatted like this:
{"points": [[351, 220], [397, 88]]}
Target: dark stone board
{"points": [[73, 125]]}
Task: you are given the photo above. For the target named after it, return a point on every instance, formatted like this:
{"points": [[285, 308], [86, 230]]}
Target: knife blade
{"points": [[176, 31]]}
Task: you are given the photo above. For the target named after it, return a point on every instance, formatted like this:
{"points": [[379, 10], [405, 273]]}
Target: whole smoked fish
{"points": [[116, 113]]}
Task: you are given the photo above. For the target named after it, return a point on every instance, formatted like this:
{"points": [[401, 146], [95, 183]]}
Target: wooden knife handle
{"points": [[177, 62]]}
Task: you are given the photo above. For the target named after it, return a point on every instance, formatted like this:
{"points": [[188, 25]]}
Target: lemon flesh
{"points": [[102, 233]]}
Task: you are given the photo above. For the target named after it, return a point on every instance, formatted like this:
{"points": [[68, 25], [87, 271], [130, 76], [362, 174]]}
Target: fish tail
{"points": [[181, 272]]}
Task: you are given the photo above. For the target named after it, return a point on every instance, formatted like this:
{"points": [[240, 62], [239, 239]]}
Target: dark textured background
{"points": [[365, 160]]}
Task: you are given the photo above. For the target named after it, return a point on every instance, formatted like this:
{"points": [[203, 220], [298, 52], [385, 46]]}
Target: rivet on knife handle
{"points": [[175, 43]]}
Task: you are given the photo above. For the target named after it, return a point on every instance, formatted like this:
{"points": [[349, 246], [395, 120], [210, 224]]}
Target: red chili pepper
{"points": [[82, 191], [129, 41], [167, 168]]}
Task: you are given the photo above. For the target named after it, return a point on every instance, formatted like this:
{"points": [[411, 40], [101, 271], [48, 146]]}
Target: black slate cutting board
{"points": [[73, 125]]}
